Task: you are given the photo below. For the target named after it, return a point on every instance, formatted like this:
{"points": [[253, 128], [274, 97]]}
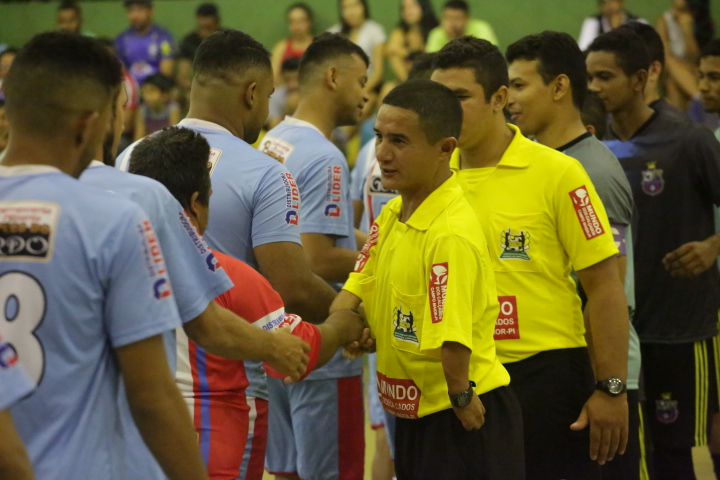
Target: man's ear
{"points": [[499, 99], [447, 147], [193, 205], [249, 94], [639, 80], [591, 129], [330, 78], [83, 126], [561, 87]]}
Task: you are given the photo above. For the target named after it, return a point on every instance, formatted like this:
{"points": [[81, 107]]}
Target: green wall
{"points": [[264, 18]]}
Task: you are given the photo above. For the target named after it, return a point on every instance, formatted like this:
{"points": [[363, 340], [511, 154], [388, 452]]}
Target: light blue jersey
{"points": [[195, 279], [81, 274], [14, 381], [323, 178], [255, 201], [367, 186]]}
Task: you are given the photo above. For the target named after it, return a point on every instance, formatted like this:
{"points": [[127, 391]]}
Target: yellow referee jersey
{"points": [[542, 218], [423, 283]]}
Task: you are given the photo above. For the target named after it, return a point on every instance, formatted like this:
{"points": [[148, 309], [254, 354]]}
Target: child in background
{"points": [[158, 110]]}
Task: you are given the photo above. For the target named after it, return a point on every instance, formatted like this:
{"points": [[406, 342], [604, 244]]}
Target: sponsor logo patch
{"points": [[365, 252], [276, 148], [404, 324], [154, 261], [333, 194], [27, 230], [515, 245], [292, 198], [437, 290], [586, 213], [399, 396], [666, 409], [213, 159], [507, 326], [652, 180]]}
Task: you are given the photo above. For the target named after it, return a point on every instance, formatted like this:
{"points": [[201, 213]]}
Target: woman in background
{"points": [[300, 20], [417, 18], [612, 15], [369, 35]]}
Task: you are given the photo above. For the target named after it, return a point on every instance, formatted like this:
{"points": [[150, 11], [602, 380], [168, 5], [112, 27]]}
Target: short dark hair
{"points": [[711, 49], [422, 66], [345, 28], [457, 5], [653, 42], [208, 10], [593, 113], [56, 73], [290, 65], [224, 54], [631, 54], [479, 55], [160, 81], [557, 54], [438, 109], [326, 47], [177, 157], [304, 7], [70, 5]]}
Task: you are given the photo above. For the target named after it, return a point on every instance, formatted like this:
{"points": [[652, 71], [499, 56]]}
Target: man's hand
{"points": [[472, 415], [288, 355], [357, 349], [691, 259], [608, 419], [349, 326]]}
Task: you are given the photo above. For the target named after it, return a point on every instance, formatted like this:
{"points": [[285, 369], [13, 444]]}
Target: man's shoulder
{"points": [[161, 31], [305, 144]]}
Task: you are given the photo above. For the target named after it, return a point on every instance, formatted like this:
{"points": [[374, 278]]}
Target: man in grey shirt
{"points": [[548, 83]]}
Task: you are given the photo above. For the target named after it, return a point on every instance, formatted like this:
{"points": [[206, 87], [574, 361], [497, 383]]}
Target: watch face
{"points": [[615, 386]]}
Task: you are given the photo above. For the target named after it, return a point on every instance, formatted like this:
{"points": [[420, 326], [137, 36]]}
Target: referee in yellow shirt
{"points": [[542, 218], [426, 281]]}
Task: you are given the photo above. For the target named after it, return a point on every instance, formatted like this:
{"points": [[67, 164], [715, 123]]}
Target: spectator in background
{"points": [[300, 22], [685, 29], [207, 17], [417, 19], [369, 35], [7, 57], [612, 15], [285, 99], [69, 18], [3, 127], [455, 23], [158, 109], [709, 79], [145, 48], [593, 115]]}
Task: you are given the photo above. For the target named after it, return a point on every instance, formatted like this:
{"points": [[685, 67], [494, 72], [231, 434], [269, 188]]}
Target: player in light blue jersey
{"points": [[309, 435], [255, 201], [196, 281], [82, 277]]}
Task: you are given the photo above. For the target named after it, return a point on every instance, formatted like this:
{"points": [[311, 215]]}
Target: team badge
{"points": [[404, 324], [515, 245], [652, 180], [666, 409]]}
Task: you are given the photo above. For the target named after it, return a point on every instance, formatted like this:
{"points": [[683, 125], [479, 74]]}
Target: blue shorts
{"points": [[316, 429], [379, 417]]}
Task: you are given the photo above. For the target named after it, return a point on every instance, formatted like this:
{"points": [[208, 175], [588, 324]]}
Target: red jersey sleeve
{"points": [[307, 332]]}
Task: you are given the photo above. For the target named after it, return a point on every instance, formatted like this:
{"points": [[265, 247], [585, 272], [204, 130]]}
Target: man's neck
{"points": [[565, 127], [651, 95], [412, 200], [206, 112], [489, 151], [625, 123], [318, 112], [30, 151], [144, 30]]}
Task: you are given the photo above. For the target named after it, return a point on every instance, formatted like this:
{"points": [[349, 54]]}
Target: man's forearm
{"points": [[14, 462], [335, 264], [609, 330], [455, 359], [312, 301]]}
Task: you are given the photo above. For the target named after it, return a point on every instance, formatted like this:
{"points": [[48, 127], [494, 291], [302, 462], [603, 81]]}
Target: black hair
{"points": [[653, 42], [439, 111], [177, 157], [593, 113], [703, 25], [225, 54], [422, 66], [208, 10], [70, 5], [304, 7], [290, 65], [56, 73], [428, 21], [631, 54], [457, 5], [483, 57], [556, 54], [712, 49], [162, 82], [326, 47], [345, 30]]}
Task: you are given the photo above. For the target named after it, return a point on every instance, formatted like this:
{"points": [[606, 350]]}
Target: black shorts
{"points": [[633, 465], [437, 446], [552, 388], [681, 390]]}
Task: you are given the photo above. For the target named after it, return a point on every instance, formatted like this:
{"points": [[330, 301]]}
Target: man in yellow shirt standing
{"points": [[542, 219], [427, 285]]}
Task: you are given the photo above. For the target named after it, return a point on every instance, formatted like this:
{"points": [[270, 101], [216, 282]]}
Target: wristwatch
{"points": [[612, 386], [463, 399]]}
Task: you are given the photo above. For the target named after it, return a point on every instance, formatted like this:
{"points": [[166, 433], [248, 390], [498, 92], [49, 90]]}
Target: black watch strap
{"points": [[463, 399], [612, 386]]}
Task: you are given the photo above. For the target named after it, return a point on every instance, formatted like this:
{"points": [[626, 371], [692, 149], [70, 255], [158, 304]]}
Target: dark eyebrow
{"points": [[461, 91], [401, 136]]}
